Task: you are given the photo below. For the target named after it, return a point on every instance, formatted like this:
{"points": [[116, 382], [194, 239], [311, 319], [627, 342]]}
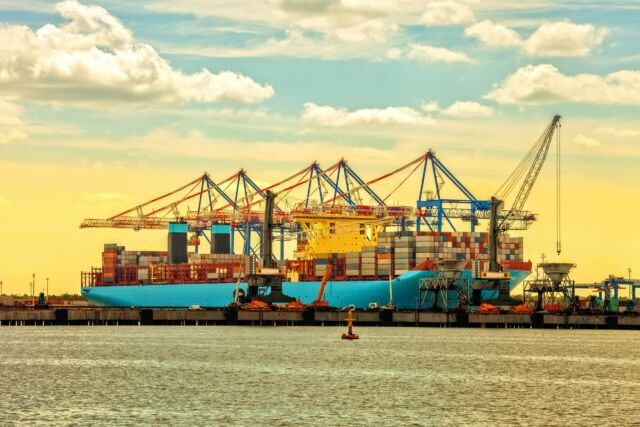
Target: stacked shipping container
{"points": [[197, 258], [394, 254], [368, 261], [110, 262], [404, 253]]}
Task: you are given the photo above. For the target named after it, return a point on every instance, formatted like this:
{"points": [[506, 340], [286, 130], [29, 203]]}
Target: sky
{"points": [[106, 104]]}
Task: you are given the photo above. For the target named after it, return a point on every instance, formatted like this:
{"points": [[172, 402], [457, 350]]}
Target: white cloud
{"points": [[93, 57], [619, 133], [562, 38], [467, 109], [436, 54], [326, 29], [347, 20], [430, 106], [540, 84], [447, 13], [12, 127], [494, 35], [585, 141], [327, 115]]}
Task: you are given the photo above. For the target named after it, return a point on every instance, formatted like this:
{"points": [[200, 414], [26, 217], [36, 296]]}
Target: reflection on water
{"points": [[292, 375]]}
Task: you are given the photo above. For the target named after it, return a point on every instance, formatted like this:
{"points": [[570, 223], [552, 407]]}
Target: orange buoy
{"points": [[350, 335]]}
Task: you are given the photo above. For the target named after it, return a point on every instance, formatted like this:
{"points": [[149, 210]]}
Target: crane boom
{"points": [[530, 168], [319, 301]]}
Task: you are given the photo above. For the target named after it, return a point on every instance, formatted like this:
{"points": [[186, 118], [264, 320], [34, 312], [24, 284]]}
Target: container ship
{"points": [[369, 273], [351, 245]]}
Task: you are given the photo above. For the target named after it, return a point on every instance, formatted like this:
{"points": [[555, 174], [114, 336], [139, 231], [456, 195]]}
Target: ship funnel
{"points": [[451, 269], [557, 271]]}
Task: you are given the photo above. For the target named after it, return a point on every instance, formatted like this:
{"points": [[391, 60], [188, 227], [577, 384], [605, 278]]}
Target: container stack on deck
{"points": [[412, 248], [394, 254], [353, 263], [368, 261], [110, 262], [117, 256], [198, 258], [510, 249], [384, 253], [404, 253]]}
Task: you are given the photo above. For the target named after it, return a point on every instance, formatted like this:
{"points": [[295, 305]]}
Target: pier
{"points": [[181, 317]]}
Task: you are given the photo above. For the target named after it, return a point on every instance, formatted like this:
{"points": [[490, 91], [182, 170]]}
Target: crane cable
{"points": [[403, 181], [558, 206], [518, 173]]}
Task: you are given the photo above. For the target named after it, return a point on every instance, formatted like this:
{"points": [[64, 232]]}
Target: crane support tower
{"points": [[525, 174], [269, 276], [495, 279]]}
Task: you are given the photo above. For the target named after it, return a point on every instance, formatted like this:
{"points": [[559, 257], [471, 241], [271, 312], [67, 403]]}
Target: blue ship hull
{"points": [[338, 293]]}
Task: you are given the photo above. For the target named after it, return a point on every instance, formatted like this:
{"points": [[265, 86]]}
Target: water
{"points": [[290, 376]]}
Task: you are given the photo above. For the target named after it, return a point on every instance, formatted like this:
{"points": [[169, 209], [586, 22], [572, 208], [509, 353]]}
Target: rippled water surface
{"points": [[288, 375]]}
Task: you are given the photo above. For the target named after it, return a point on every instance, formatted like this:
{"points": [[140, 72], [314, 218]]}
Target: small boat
{"points": [[350, 335]]}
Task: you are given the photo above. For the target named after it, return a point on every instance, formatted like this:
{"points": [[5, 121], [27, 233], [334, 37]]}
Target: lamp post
{"points": [[1, 288], [47, 289], [33, 290]]}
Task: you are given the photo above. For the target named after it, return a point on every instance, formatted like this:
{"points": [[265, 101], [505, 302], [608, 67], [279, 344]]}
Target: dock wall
{"points": [[119, 316]]}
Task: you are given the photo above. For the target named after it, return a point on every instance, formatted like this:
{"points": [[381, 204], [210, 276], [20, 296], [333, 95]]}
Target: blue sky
{"points": [[97, 97], [218, 36]]}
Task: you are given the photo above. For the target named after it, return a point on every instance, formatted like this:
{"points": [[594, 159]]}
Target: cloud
{"points": [[447, 13], [12, 127], [327, 115], [93, 57], [467, 109], [295, 43], [430, 106], [346, 20], [436, 54], [562, 38], [4, 201], [619, 133], [494, 35], [585, 141], [543, 84], [327, 29]]}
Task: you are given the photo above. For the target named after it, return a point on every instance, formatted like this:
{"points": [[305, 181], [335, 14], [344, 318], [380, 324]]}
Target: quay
{"points": [[135, 316]]}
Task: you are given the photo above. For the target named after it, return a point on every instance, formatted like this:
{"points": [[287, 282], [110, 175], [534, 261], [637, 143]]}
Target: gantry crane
{"points": [[333, 192], [526, 172]]}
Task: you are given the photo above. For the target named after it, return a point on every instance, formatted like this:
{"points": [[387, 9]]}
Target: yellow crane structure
{"points": [[336, 233]]}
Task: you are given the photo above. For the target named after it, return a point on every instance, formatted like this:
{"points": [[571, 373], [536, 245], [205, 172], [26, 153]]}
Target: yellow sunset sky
{"points": [[103, 107]]}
